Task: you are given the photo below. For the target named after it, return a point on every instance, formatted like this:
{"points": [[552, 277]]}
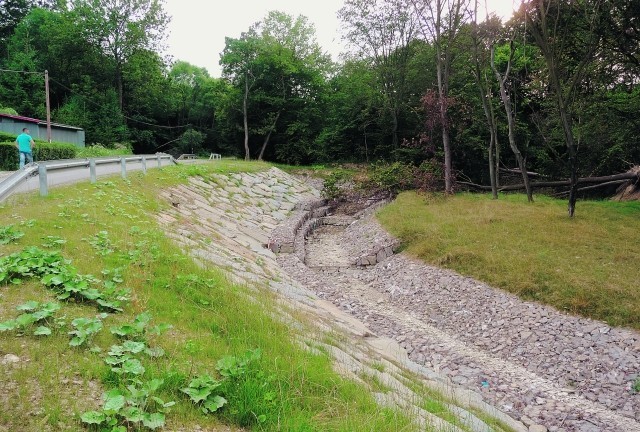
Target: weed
{"points": [[8, 234], [33, 313], [85, 329]]}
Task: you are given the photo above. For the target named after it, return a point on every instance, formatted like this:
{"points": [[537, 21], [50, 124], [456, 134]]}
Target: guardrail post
{"points": [[123, 167], [42, 176], [159, 161], [144, 164], [92, 170]]}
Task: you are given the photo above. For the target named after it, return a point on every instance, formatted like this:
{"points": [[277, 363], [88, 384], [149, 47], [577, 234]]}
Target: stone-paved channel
{"points": [[562, 372], [483, 348]]}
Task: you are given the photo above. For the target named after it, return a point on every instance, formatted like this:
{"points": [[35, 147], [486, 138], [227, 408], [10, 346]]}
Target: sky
{"points": [[198, 27]]}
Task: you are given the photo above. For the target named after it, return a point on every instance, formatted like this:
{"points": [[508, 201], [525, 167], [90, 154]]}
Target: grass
{"points": [[587, 265], [289, 388]]}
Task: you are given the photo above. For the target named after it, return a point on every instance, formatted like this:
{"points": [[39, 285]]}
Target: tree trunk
{"points": [[120, 88], [511, 123], [247, 156], [266, 139], [446, 140]]}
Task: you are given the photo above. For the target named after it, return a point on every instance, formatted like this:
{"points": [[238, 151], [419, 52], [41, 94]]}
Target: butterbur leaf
{"points": [[262, 418], [118, 429], [153, 421], [7, 325], [25, 320], [153, 385], [114, 403], [197, 394], [93, 417], [76, 341], [28, 306], [16, 281], [42, 331], [124, 330], [215, 403], [133, 414], [134, 347], [133, 366], [90, 294]]}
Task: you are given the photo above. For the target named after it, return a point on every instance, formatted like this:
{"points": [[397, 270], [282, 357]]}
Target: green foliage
{"points": [[9, 111], [139, 329], [201, 392], [391, 178], [98, 150], [334, 182], [43, 151], [54, 151], [636, 385], [60, 276], [8, 234], [137, 405], [33, 313], [85, 329]]}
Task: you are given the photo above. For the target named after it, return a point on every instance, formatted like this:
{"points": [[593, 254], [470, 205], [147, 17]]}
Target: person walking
{"points": [[25, 145]]}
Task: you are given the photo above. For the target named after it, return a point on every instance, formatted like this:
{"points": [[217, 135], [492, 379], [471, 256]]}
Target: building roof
{"points": [[39, 122]]}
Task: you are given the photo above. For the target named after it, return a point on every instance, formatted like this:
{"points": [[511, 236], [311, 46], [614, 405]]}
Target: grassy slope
{"points": [[587, 265], [55, 383]]}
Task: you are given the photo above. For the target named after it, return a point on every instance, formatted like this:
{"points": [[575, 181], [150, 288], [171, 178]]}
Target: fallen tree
{"points": [[594, 182]]}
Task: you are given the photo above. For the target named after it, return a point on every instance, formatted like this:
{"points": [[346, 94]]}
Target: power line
{"points": [[123, 115], [24, 72]]}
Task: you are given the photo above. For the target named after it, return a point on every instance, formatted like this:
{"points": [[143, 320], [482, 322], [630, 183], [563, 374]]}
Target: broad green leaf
{"points": [[28, 306], [77, 341], [42, 331], [153, 421], [7, 325], [215, 403], [153, 385], [197, 394], [134, 347], [114, 403], [25, 320], [93, 417], [133, 366], [132, 414]]}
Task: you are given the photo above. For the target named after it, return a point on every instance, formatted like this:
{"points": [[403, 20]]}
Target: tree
{"points": [[238, 66], [382, 31], [12, 12], [504, 81], [480, 35], [120, 28], [441, 21], [566, 35]]}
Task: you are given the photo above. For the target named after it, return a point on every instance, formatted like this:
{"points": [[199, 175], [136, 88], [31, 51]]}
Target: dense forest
{"points": [[554, 91]]}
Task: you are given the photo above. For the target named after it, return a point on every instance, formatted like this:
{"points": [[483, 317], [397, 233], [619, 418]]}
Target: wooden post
{"points": [[48, 105]]}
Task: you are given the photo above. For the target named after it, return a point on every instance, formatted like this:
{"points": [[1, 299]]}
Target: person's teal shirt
{"points": [[24, 142]]}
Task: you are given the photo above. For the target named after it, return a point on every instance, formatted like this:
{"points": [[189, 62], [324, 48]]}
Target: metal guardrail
{"points": [[40, 169]]}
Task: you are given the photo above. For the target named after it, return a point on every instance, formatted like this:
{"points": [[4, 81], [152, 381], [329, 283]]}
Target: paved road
{"points": [[74, 175]]}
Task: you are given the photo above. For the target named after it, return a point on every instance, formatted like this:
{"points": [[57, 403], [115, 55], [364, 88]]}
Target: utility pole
{"points": [[46, 91]]}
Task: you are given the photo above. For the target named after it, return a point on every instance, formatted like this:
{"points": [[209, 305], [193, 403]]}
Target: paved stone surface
{"points": [[545, 367], [548, 369]]}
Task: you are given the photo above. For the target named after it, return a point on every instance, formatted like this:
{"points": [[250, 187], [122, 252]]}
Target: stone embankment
{"points": [[481, 348], [238, 222]]}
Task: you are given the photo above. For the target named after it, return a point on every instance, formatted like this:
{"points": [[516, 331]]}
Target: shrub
{"points": [[100, 151], [9, 159], [391, 178]]}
